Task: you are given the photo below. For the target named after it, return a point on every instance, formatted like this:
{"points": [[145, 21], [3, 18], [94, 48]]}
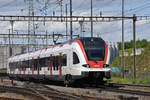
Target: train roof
{"points": [[45, 51], [85, 38]]}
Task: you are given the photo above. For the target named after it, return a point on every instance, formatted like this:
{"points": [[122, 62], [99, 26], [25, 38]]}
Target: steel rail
{"points": [[135, 92], [40, 94], [124, 84], [49, 90], [115, 88], [22, 91]]}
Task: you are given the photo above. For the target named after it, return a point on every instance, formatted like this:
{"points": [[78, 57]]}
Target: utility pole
{"points": [[81, 28], [100, 13], [61, 8], [12, 28], [10, 48], [31, 26], [71, 19], [46, 39], [61, 13], [123, 63], [91, 18], [134, 45], [66, 21]]}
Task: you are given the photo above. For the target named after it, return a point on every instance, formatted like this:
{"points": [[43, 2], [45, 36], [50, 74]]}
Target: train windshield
{"points": [[94, 48]]}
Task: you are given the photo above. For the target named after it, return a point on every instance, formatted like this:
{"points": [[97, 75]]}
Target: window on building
{"points": [[75, 58]]}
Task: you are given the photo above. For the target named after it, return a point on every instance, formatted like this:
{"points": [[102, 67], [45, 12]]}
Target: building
{"points": [[5, 53]]}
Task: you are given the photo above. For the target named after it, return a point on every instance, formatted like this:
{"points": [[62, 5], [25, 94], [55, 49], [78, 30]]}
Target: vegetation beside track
{"points": [[129, 80], [142, 60], [142, 65]]}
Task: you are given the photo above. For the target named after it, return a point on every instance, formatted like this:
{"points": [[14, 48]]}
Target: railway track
{"points": [[121, 88], [124, 84], [22, 91], [109, 88], [37, 93], [118, 90], [6, 98], [45, 89], [45, 92]]}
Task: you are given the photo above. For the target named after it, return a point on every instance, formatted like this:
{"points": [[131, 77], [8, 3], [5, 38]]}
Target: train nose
{"points": [[96, 64]]}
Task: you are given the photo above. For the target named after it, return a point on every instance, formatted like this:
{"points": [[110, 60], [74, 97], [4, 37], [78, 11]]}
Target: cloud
{"points": [[109, 31]]}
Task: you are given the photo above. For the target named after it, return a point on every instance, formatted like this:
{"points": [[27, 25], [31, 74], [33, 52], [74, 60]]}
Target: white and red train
{"points": [[73, 60]]}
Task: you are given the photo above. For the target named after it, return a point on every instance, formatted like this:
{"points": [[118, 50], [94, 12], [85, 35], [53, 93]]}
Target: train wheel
{"points": [[108, 75], [68, 80]]}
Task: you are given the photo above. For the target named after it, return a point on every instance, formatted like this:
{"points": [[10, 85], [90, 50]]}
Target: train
{"points": [[114, 51], [84, 58]]}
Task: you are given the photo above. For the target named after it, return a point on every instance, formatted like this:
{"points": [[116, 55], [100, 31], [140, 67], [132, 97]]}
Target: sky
{"points": [[109, 31]]}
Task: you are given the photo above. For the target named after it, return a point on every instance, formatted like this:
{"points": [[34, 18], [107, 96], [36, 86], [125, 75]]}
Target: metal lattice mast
{"points": [[31, 28]]}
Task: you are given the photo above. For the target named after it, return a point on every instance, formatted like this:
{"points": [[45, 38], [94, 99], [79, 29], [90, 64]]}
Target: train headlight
{"points": [[86, 65], [105, 65]]}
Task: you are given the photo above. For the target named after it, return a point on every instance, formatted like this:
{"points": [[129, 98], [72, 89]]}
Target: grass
{"points": [[127, 50], [142, 61], [129, 80]]}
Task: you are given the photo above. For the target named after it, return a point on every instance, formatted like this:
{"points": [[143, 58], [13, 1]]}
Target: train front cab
{"points": [[95, 52]]}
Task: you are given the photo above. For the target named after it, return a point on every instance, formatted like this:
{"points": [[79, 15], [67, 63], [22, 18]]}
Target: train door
{"points": [[51, 64], [64, 62], [75, 63], [24, 67], [33, 66], [60, 64], [69, 61], [38, 66]]}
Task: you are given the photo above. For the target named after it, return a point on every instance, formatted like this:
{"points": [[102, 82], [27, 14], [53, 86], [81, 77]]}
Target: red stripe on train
{"points": [[50, 65], [83, 51], [60, 68]]}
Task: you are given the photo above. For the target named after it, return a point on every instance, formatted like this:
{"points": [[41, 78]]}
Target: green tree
{"points": [[139, 44]]}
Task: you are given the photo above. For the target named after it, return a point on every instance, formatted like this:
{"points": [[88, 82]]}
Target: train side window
{"points": [[38, 64], [47, 61], [35, 64], [19, 65], [57, 62], [27, 64], [23, 65], [54, 62], [75, 58], [42, 62], [30, 63], [64, 60], [16, 65]]}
